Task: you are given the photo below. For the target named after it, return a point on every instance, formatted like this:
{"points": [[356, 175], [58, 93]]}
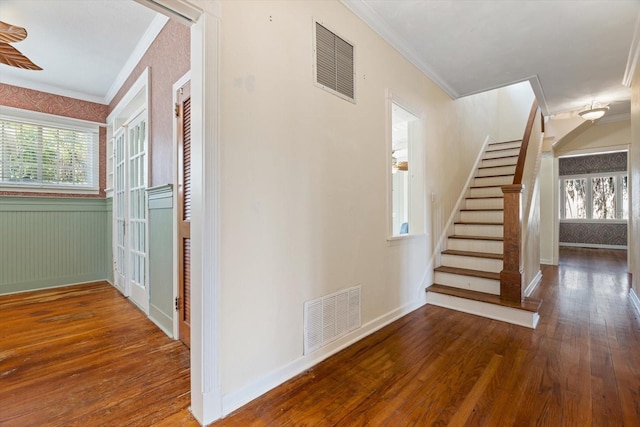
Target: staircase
{"points": [[468, 278]]}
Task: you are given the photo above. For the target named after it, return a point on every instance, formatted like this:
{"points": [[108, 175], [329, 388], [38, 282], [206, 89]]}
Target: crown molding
{"points": [[148, 37], [363, 11], [54, 90]]}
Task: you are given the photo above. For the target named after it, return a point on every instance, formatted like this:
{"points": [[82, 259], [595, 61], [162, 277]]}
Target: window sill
{"points": [[593, 221], [47, 189], [396, 240]]}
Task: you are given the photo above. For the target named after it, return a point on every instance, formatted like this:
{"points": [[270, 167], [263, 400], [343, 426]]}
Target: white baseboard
{"points": [[634, 299], [533, 285], [483, 309], [235, 400], [546, 261]]}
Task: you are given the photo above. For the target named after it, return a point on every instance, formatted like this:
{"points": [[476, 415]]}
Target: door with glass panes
{"points": [[130, 210]]}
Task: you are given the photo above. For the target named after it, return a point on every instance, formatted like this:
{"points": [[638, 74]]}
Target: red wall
{"points": [[33, 100], [168, 59]]}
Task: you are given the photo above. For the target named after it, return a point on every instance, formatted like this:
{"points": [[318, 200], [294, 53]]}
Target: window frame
{"points": [[589, 196], [416, 185], [59, 122]]}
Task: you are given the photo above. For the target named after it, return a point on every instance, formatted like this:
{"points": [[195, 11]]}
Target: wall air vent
{"points": [[334, 63], [330, 317]]}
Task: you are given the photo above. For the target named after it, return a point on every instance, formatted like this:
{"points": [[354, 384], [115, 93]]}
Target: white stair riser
{"points": [[504, 145], [486, 192], [487, 163], [474, 245], [492, 311], [478, 284], [472, 263], [501, 153], [489, 203], [493, 180], [481, 216], [478, 230], [497, 170]]}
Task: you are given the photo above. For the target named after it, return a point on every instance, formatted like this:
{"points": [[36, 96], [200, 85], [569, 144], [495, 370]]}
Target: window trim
{"points": [[67, 123], [588, 196], [417, 159]]}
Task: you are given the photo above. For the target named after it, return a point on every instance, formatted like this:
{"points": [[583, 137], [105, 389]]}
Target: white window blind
{"points": [[47, 156]]}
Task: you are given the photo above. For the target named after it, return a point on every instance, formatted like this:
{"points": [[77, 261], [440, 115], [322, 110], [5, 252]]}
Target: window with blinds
{"points": [[47, 156], [334, 63]]}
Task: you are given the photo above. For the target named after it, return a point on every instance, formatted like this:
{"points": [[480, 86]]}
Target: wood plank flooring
{"points": [[83, 355], [436, 367]]}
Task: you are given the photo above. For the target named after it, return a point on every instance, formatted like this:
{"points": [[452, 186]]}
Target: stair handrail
{"points": [[512, 283]]}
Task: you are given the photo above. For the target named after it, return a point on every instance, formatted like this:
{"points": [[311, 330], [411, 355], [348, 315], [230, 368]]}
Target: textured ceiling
{"points": [[572, 51], [82, 45]]}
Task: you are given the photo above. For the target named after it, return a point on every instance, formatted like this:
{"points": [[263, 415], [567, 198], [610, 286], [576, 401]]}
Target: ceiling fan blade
{"points": [[11, 56], [11, 33]]}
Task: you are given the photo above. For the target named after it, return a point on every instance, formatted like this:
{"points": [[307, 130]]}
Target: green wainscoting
{"points": [[47, 242], [161, 305]]}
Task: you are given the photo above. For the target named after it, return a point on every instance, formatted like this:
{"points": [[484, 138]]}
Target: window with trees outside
{"points": [[595, 197], [47, 156]]}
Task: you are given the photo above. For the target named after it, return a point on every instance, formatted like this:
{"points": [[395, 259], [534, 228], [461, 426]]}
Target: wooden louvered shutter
{"points": [[184, 212]]}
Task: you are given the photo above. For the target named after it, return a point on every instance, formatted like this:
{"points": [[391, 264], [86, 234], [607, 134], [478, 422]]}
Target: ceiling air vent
{"points": [[334, 63]]}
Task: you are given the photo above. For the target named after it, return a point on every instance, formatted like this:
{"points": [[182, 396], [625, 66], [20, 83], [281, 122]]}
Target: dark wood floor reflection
{"points": [[84, 356], [580, 367]]}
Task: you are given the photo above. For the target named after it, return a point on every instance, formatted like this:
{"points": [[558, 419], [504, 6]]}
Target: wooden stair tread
{"points": [[501, 149], [504, 142], [460, 236], [499, 166], [495, 176], [473, 254], [478, 223], [502, 157], [488, 186], [529, 304], [468, 272], [484, 197]]}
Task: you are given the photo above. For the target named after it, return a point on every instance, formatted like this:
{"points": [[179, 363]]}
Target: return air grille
{"points": [[330, 317], [334, 63]]}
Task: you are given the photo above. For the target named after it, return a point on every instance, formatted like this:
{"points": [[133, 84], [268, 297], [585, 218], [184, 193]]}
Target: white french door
{"points": [[130, 210]]}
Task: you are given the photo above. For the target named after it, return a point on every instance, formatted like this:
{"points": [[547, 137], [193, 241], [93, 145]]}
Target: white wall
{"points": [[304, 176], [597, 138], [514, 105], [548, 210], [634, 173]]}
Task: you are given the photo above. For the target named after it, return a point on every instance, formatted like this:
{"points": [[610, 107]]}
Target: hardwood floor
{"points": [[83, 355], [580, 367]]}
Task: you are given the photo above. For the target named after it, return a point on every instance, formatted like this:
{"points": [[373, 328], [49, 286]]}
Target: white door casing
{"points": [[130, 210]]}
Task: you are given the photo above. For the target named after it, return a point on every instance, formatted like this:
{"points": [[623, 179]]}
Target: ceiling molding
{"points": [[148, 37], [634, 54], [363, 11], [54, 90]]}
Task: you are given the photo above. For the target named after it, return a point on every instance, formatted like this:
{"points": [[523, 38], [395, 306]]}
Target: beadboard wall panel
{"points": [[161, 306], [48, 242]]}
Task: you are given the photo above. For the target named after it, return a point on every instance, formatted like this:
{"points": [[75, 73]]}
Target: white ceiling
{"points": [[84, 46], [573, 51]]}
